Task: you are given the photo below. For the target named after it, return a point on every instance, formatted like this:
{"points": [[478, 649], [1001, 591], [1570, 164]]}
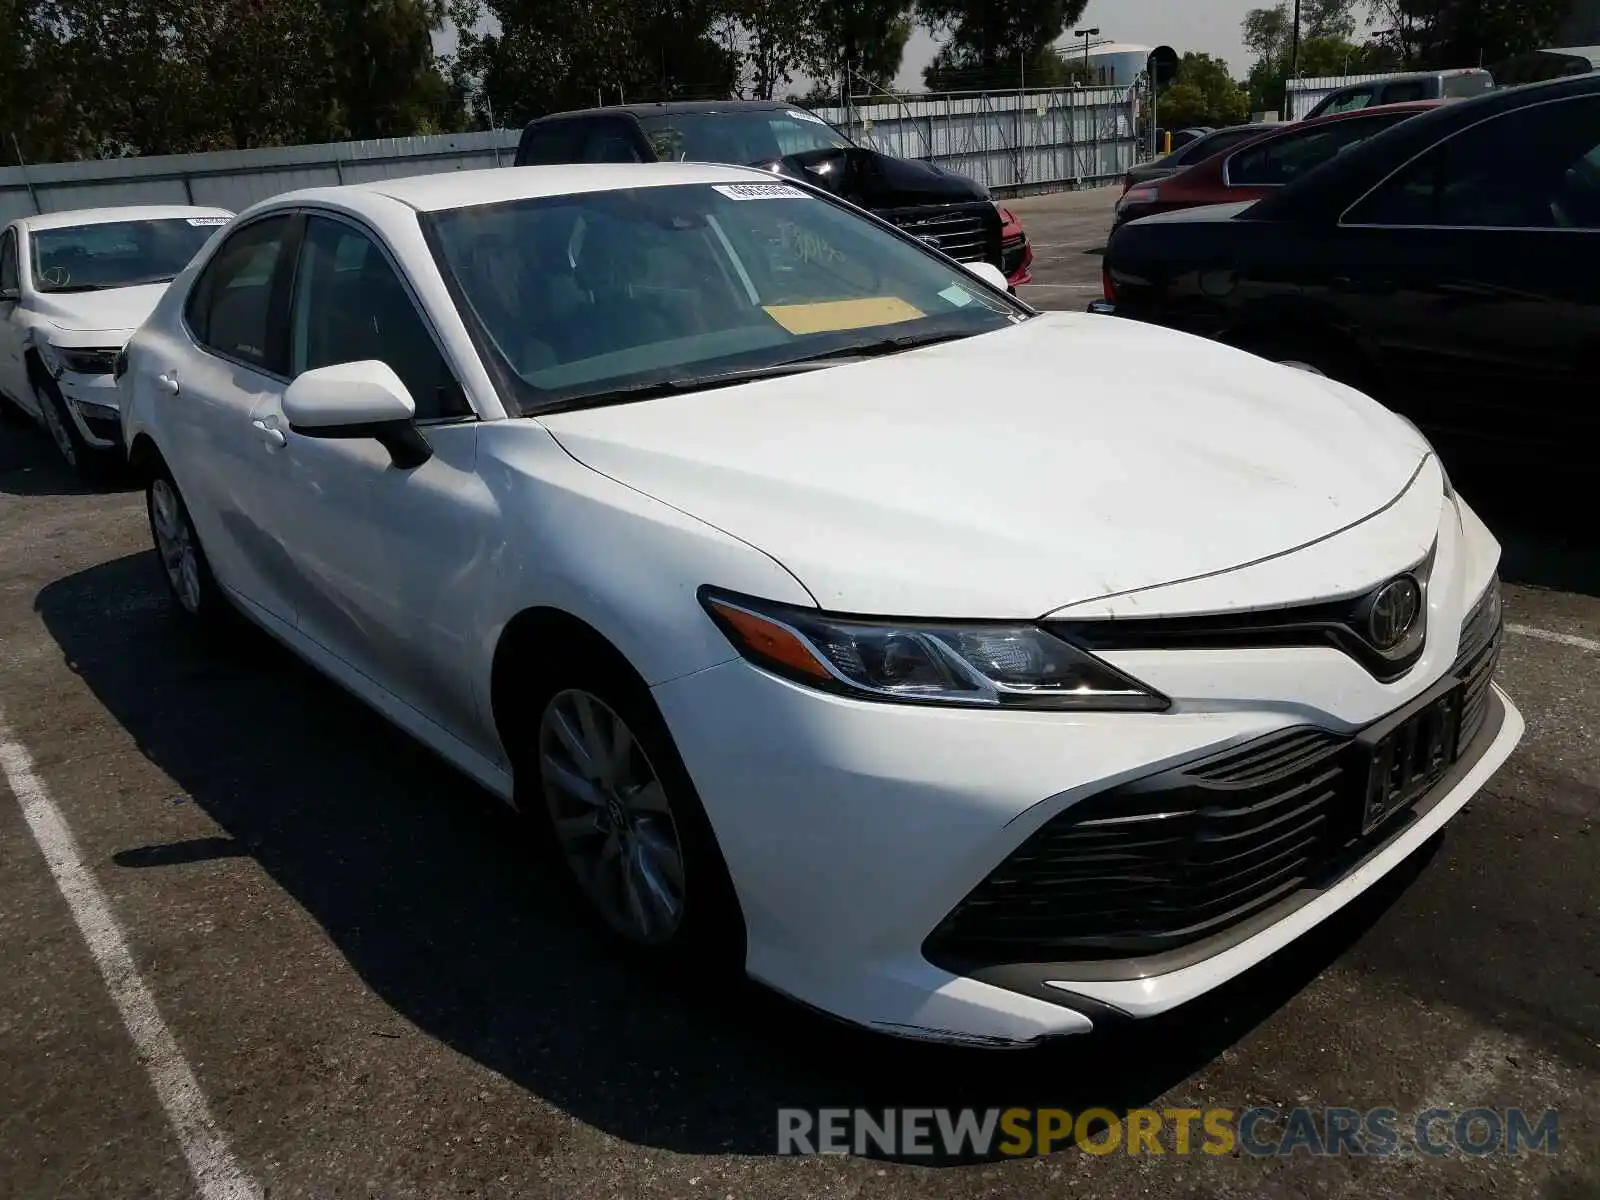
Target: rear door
{"points": [[1474, 272], [218, 388]]}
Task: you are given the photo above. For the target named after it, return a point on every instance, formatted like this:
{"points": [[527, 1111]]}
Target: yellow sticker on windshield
{"points": [[832, 315]]}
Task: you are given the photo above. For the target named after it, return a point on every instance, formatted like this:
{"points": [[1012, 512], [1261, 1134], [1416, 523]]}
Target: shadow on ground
{"points": [[423, 884], [31, 466]]}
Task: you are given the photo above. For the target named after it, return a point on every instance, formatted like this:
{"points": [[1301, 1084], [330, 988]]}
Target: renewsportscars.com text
{"points": [[986, 1133]]}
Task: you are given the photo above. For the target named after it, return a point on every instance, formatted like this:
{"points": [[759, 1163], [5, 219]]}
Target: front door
{"points": [[13, 368], [388, 555]]}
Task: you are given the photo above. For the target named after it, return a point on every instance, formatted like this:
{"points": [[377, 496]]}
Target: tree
{"points": [[1202, 93], [866, 36], [550, 55], [385, 80], [992, 45], [1327, 28], [1440, 34]]}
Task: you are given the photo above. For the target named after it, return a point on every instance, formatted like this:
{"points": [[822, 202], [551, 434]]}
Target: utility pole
{"points": [[1294, 52]]}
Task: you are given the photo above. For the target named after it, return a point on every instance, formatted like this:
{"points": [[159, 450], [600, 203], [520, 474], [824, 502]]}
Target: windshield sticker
{"points": [[830, 316], [202, 221], [805, 116], [760, 191], [956, 295]]}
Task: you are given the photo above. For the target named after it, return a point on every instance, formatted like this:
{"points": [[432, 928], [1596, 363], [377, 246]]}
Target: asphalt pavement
{"points": [[253, 941]]}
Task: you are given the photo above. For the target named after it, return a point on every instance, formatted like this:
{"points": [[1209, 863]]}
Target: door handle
{"points": [[167, 381], [269, 435]]}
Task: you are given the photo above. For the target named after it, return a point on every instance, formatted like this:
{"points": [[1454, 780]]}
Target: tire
{"points": [[11, 413], [631, 837], [178, 552], [82, 458]]}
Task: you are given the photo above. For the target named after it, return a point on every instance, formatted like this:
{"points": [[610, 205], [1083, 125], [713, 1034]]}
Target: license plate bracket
{"points": [[1409, 753]]}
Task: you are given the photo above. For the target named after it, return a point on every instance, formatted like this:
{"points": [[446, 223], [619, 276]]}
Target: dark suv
{"points": [[947, 210]]}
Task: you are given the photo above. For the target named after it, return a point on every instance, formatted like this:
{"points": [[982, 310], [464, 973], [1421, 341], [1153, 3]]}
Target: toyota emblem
{"points": [[1394, 611]]}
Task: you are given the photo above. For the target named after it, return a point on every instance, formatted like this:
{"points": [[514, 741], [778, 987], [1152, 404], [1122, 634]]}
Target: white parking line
{"points": [[216, 1172], [1550, 635]]}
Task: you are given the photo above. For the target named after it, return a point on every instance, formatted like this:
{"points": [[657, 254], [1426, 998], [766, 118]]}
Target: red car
{"points": [[1281, 154], [1016, 256]]}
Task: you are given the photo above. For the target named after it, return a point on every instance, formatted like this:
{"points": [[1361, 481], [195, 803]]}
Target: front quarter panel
{"points": [[628, 565]]}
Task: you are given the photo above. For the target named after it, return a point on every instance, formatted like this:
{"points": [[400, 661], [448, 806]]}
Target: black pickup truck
{"points": [[948, 210]]}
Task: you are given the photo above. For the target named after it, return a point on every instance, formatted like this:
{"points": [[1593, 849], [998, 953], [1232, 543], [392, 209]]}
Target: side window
{"points": [[557, 142], [1534, 168], [9, 278], [1349, 101], [608, 142], [1404, 93], [1281, 160], [349, 305], [230, 308]]}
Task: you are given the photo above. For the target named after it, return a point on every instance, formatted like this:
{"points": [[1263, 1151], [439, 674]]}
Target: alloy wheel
{"points": [[58, 431], [611, 817], [175, 543]]}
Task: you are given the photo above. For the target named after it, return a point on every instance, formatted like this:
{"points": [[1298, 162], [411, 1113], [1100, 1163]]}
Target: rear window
{"points": [[1224, 139], [1475, 84], [1405, 93], [1284, 159]]}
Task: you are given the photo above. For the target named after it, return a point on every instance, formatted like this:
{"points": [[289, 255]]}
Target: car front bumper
{"points": [[92, 401], [853, 829]]}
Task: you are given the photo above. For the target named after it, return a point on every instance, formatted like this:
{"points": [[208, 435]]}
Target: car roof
{"points": [[71, 218], [1401, 106], [1410, 77], [667, 108], [1404, 139], [496, 185]]}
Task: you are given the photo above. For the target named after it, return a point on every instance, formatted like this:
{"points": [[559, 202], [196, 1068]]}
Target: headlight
{"points": [[983, 664], [79, 361]]}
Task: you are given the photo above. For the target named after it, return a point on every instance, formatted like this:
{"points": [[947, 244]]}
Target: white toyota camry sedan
{"points": [[961, 671]]}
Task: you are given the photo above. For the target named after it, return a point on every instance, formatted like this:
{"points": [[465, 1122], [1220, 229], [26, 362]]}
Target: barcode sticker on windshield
{"points": [[208, 220], [804, 116], [760, 191]]}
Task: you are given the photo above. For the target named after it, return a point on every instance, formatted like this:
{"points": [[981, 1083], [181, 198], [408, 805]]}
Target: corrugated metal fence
{"points": [[235, 179], [1010, 141], [1007, 140]]}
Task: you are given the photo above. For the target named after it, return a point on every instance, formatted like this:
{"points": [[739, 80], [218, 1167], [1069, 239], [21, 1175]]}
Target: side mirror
{"points": [[358, 400], [990, 274]]}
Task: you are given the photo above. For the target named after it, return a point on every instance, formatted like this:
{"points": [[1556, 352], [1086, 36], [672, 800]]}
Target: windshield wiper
{"points": [[881, 346], [76, 287], [678, 384]]}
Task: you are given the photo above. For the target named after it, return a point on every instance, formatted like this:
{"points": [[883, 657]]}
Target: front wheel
{"points": [[625, 820], [74, 451]]}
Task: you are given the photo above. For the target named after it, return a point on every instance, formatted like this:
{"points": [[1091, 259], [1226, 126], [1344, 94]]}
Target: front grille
{"points": [[1163, 862], [966, 232], [1481, 636]]}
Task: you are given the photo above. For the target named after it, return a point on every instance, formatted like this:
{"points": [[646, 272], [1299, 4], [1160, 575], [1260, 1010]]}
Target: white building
{"points": [[1115, 64]]}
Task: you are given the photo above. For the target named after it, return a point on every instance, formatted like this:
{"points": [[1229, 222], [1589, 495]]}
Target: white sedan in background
{"points": [[956, 669], [73, 288]]}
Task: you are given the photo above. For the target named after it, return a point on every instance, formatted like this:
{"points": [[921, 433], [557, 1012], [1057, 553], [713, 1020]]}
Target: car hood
{"points": [[876, 181], [1010, 474], [117, 310]]}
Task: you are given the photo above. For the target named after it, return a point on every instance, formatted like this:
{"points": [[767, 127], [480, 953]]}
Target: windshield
{"points": [[744, 137], [117, 253], [579, 297]]}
